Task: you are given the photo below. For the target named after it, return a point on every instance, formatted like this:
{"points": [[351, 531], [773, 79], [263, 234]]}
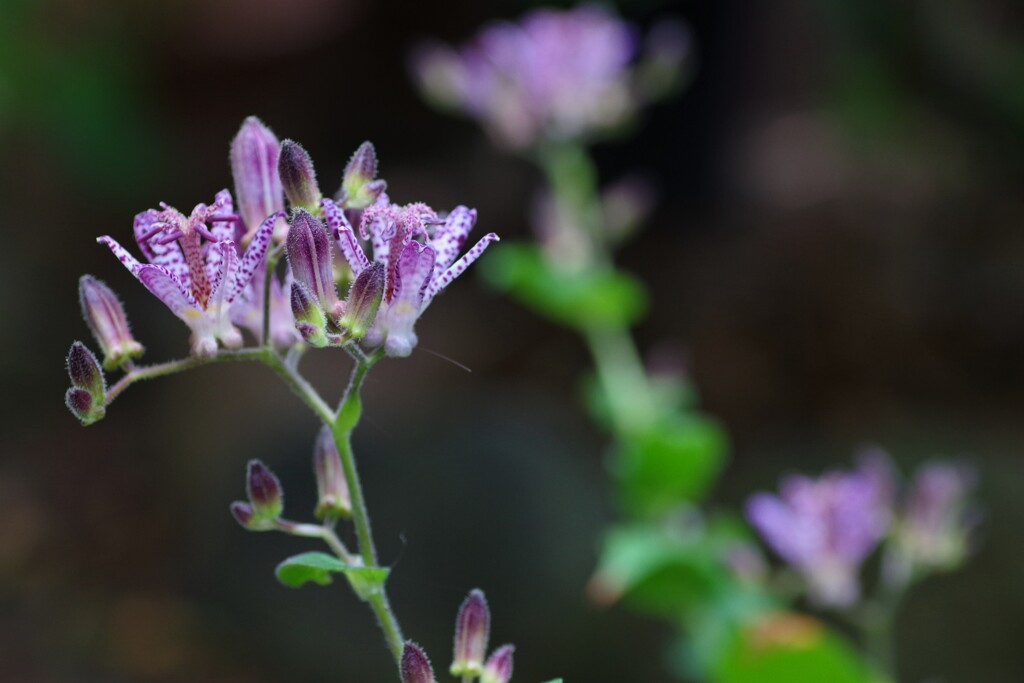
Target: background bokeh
{"points": [[837, 257]]}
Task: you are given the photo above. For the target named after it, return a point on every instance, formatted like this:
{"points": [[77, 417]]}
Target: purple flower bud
{"points": [[332, 488], [254, 158], [933, 529], [264, 491], [498, 668], [364, 297], [415, 667], [358, 187], [311, 260], [472, 628], [309, 317], [105, 316], [85, 372], [243, 513], [297, 176], [81, 403]]}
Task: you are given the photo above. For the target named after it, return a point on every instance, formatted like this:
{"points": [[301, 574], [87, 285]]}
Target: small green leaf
{"points": [[555, 680], [582, 300], [318, 567]]}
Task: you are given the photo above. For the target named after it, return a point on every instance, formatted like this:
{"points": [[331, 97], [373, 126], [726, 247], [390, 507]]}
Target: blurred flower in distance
{"points": [[553, 75], [825, 528]]}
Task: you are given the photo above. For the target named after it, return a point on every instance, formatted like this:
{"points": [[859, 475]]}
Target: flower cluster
{"points": [[472, 630], [216, 267], [826, 528], [554, 74]]}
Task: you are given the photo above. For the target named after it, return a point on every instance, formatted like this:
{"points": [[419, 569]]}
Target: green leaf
{"points": [[789, 648], [555, 680], [676, 460], [582, 300], [318, 567]]}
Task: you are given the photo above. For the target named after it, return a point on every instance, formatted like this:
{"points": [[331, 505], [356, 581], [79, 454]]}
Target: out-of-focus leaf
{"points": [[675, 460], [656, 571], [783, 647], [583, 300], [319, 567]]}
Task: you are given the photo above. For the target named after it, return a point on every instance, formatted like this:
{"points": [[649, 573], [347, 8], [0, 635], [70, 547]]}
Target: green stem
{"points": [[322, 532], [346, 419], [265, 355], [572, 177], [623, 378], [139, 373]]}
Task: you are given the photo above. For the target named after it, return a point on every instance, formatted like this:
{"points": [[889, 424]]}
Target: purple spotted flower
{"points": [[555, 74], [825, 528], [418, 250], [194, 266]]}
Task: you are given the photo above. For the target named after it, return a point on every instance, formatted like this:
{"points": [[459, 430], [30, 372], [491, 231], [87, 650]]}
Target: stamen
{"points": [[172, 235]]}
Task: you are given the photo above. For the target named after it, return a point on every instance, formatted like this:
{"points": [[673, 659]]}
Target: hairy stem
{"points": [[345, 420]]}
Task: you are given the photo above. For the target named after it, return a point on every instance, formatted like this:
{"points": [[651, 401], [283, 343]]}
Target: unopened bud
{"points": [[471, 632], [311, 260], [254, 157], [309, 317], [358, 187], [498, 668], [297, 176], [105, 316], [364, 297], [331, 485], [83, 406], [85, 372], [264, 492], [415, 667], [243, 513]]}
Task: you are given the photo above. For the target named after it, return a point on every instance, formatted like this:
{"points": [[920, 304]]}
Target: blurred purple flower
{"points": [[934, 523], [826, 528], [554, 74], [198, 281]]}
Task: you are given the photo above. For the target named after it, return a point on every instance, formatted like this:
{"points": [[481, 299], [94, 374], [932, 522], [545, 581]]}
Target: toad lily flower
{"points": [[825, 528], [418, 251], [197, 281]]}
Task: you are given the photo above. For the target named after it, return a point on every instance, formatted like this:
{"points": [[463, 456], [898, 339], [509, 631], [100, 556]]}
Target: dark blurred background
{"points": [[838, 254]]}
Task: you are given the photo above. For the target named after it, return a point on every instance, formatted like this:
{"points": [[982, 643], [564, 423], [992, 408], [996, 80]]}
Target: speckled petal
{"points": [[451, 236], [169, 290], [342, 232], [442, 281], [122, 254], [252, 258], [168, 256]]}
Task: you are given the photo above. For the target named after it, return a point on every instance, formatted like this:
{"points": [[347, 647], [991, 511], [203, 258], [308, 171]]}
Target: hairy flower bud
{"points": [[310, 256], [358, 188], [265, 497], [83, 406], [297, 176], [105, 316], [309, 317], [85, 372], [364, 297], [498, 668], [471, 632], [415, 667], [254, 157], [243, 513], [332, 488]]}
